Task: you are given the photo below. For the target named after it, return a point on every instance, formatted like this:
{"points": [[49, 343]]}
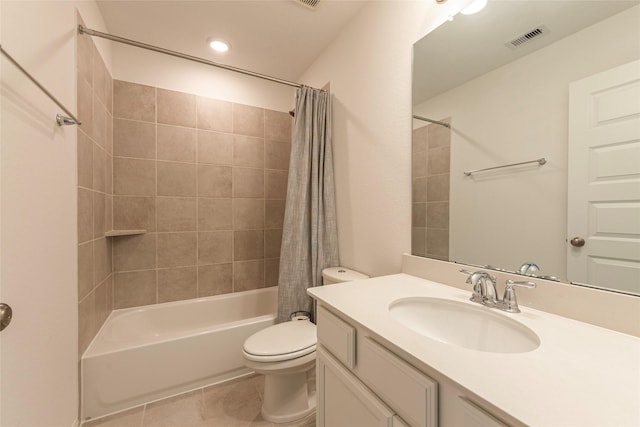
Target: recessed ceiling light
{"points": [[475, 7], [219, 45]]}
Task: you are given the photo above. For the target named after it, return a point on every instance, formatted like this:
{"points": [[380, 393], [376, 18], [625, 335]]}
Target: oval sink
{"points": [[464, 325]]}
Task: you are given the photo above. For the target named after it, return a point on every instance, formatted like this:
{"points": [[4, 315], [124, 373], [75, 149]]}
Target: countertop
{"points": [[580, 375]]}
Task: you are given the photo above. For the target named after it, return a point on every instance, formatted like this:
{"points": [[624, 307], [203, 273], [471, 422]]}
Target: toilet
{"points": [[286, 355]]}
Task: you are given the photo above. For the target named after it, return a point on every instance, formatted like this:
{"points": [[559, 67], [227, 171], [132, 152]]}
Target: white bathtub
{"points": [[148, 353]]}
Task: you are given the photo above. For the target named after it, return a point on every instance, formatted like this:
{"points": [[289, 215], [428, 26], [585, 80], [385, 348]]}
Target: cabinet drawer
{"points": [[337, 336], [474, 416], [409, 392]]}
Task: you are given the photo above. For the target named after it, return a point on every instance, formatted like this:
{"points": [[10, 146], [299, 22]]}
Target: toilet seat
{"points": [[284, 341]]}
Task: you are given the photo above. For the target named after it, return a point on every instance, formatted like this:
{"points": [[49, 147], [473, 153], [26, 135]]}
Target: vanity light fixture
{"points": [[475, 7], [219, 45]]}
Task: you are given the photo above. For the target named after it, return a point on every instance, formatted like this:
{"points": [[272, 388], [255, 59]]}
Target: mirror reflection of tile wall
{"points": [[430, 160]]}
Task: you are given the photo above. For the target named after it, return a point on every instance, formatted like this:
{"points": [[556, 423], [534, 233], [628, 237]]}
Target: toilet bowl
{"points": [[286, 355]]}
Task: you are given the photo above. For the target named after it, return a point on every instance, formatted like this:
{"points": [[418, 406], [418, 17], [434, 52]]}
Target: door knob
{"points": [[578, 242], [5, 316]]}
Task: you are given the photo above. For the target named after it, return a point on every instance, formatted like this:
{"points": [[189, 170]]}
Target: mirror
{"points": [[500, 78]]}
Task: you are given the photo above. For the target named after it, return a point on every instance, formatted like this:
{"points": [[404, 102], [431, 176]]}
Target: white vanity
{"points": [[374, 370]]}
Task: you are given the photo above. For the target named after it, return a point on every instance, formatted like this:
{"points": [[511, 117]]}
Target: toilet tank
{"points": [[340, 274]]}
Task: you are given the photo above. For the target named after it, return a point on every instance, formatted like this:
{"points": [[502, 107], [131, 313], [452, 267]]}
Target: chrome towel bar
{"points": [[60, 119], [540, 161]]}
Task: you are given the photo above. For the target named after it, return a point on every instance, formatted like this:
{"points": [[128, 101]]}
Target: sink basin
{"points": [[465, 325]]}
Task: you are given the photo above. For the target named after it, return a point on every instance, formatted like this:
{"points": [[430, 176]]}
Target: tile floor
{"points": [[233, 404]]}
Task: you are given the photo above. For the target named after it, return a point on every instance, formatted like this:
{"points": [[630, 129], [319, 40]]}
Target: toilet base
{"points": [[287, 397]]}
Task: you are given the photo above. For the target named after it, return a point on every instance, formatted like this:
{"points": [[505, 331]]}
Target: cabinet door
{"points": [[343, 401]]}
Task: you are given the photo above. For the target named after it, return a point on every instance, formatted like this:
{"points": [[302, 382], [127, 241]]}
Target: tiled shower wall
{"points": [[430, 191], [95, 285], [207, 181]]}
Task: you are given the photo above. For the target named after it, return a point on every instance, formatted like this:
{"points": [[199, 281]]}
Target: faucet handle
{"points": [[509, 302]]}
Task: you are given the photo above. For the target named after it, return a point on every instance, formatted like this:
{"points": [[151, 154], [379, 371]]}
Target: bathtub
{"points": [[148, 353]]}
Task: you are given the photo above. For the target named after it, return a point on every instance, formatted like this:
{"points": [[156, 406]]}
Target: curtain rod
{"points": [[90, 32], [447, 125], [60, 119]]}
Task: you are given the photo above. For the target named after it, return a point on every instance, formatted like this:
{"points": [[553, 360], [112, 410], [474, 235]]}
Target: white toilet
{"points": [[286, 354]]}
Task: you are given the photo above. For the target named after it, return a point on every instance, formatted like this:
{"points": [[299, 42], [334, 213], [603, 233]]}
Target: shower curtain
{"points": [[310, 235]]}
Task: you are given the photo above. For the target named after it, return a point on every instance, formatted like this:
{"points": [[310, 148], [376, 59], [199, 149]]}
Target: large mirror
{"points": [[493, 89]]}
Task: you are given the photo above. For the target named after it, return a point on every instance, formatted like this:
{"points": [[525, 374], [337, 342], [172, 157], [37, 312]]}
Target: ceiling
{"points": [[470, 46], [280, 38]]}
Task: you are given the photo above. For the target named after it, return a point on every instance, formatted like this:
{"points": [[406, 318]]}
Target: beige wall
{"points": [[206, 179], [533, 123]]}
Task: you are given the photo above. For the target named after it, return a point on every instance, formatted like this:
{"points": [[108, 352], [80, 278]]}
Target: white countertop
{"points": [[580, 375]]}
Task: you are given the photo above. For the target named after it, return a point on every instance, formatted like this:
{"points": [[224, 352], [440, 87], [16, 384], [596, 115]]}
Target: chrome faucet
{"points": [[485, 293], [528, 268]]}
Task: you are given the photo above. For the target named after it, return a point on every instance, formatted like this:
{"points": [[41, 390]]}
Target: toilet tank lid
{"points": [[342, 274]]}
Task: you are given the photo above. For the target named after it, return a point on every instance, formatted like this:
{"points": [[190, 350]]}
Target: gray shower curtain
{"points": [[310, 235]]}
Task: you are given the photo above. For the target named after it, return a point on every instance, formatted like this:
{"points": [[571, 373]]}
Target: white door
{"points": [[604, 180]]}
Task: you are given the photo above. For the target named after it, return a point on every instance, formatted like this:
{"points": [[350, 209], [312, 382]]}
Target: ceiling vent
{"points": [[311, 4], [527, 37]]}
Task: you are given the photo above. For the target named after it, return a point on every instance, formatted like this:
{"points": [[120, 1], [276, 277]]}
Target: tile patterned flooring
{"points": [[232, 404]]}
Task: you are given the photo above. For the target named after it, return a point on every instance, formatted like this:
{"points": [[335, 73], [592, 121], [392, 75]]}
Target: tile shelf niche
{"points": [[116, 233]]}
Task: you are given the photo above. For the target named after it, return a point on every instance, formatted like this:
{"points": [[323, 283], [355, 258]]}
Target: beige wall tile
{"points": [[271, 271], [134, 213], [108, 213], [420, 139], [214, 214], [176, 144], [419, 215], [134, 177], [439, 136], [248, 182], [85, 57], [102, 309], [274, 213], [99, 214], [85, 160], [419, 190], [215, 279], [248, 245], [99, 168], [418, 241], [176, 108], [215, 247], [134, 101], [108, 176], [438, 243], [109, 141], [214, 114], [101, 79], [102, 266], [136, 252], [176, 213], [109, 102], [177, 249], [99, 128], [438, 215], [248, 120], [85, 106], [176, 179], [214, 181], [85, 215], [438, 188], [86, 322], [272, 243], [134, 288], [419, 164], [248, 275], [248, 214], [176, 284], [277, 155], [438, 161], [134, 139], [215, 147], [275, 184], [85, 269], [277, 125], [248, 151]]}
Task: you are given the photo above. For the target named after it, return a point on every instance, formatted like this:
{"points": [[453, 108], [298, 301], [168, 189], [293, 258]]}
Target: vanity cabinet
{"points": [[361, 383]]}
